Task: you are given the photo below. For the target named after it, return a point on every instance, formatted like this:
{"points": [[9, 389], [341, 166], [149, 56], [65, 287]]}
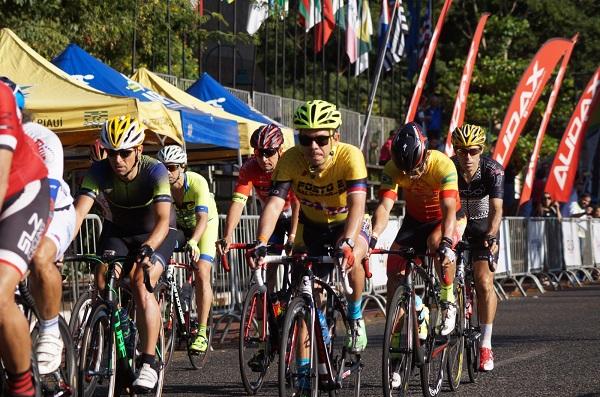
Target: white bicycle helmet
{"points": [[121, 132], [172, 154]]}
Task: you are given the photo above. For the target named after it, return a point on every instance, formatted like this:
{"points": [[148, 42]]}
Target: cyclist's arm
{"points": [[233, 215], [448, 206], [495, 216], [268, 218], [162, 214], [382, 215], [356, 213], [295, 203], [83, 205], [6, 157]]}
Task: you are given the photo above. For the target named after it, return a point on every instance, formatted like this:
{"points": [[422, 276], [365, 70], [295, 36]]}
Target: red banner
{"points": [[526, 96], [414, 102], [565, 164], [527, 186], [460, 105]]}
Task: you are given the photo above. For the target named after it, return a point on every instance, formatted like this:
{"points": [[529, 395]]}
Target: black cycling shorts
{"points": [[414, 234], [23, 221], [123, 244], [475, 234]]}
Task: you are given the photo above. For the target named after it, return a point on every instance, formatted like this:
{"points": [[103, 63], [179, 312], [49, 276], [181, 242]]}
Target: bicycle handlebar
{"points": [[242, 246]]}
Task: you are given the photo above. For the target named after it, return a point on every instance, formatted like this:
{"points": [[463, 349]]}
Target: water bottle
{"points": [[422, 317], [324, 327]]}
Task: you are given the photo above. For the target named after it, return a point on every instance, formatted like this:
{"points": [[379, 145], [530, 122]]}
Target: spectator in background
{"points": [[548, 208], [581, 208], [385, 154], [433, 117], [596, 213]]}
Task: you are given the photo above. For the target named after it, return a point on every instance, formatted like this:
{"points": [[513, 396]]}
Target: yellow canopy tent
{"points": [[166, 89], [70, 108]]}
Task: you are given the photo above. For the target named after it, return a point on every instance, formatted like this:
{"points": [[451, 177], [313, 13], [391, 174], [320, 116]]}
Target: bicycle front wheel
{"points": [[197, 359], [254, 345], [398, 344], [169, 322], [472, 335], [432, 372], [456, 345], [298, 374]]}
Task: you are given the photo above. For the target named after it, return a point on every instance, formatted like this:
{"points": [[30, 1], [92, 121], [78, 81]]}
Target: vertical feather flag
{"points": [[364, 38], [310, 13]]}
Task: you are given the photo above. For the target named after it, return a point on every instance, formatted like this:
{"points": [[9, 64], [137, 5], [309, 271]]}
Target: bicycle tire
{"points": [[398, 322], [249, 336], [198, 361], [169, 320], [297, 312], [66, 380], [79, 317], [473, 338], [456, 348], [432, 372], [97, 338]]}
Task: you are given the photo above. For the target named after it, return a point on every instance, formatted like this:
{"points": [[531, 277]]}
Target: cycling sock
{"points": [[486, 335], [50, 326], [355, 310], [302, 362], [447, 293], [202, 330], [148, 359], [21, 385]]}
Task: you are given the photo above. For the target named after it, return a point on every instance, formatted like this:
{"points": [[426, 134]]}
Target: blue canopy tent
{"points": [[209, 90], [197, 127]]}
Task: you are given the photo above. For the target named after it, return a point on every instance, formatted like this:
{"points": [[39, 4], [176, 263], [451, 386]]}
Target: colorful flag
{"points": [[282, 8], [257, 13], [339, 11], [352, 22], [566, 162], [460, 105], [526, 96], [310, 13], [399, 26], [425, 34], [528, 185], [364, 38], [324, 29]]}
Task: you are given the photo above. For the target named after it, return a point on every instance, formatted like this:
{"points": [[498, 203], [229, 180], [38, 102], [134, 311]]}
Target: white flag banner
{"points": [[504, 263], [257, 13]]}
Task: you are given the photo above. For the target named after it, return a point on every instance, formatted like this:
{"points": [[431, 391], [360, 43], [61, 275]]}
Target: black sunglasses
{"points": [[265, 152], [474, 151], [123, 153], [547, 198], [321, 140], [172, 167]]}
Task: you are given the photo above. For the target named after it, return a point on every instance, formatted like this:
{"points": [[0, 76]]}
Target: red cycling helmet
{"points": [[267, 137], [97, 151]]}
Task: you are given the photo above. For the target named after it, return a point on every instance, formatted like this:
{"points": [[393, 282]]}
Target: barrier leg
{"points": [[535, 280], [516, 283], [375, 298], [500, 291]]}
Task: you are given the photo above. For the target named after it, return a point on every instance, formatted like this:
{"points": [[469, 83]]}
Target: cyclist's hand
{"points": [[144, 256], [492, 243], [289, 246], [223, 245], [345, 255], [192, 247], [445, 253], [256, 259]]}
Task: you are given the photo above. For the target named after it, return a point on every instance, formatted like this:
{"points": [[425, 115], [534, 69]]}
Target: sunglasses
{"points": [[474, 151], [547, 198], [321, 140], [265, 152], [123, 153], [172, 167]]}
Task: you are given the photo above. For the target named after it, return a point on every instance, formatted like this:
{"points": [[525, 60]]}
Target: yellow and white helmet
{"points": [[121, 132], [468, 135]]}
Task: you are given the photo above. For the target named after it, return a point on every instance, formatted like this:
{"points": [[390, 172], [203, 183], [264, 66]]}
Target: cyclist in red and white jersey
{"points": [[24, 209]]}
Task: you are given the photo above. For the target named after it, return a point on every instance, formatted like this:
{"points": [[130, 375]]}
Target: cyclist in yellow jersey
{"points": [[198, 219], [429, 181], [329, 179]]}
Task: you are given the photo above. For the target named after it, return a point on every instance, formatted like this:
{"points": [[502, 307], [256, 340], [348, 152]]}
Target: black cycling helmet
{"points": [[409, 147]]}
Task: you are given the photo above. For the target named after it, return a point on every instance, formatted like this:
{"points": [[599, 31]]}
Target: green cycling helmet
{"points": [[317, 114]]}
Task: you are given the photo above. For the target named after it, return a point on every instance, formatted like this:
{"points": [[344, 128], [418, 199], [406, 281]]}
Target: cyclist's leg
{"points": [[277, 238], [203, 273], [47, 287], [26, 211]]}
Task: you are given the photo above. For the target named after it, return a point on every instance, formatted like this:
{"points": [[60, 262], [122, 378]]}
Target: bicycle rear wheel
{"points": [[432, 372], [169, 321], [97, 361], [79, 317], [472, 335], [456, 346], [254, 345], [296, 376], [398, 344]]}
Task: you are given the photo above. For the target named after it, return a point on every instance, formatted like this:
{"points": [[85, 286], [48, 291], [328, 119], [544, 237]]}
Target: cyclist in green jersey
{"points": [[198, 219]]}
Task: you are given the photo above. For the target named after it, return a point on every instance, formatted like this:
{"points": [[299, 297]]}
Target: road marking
{"points": [[522, 357]]}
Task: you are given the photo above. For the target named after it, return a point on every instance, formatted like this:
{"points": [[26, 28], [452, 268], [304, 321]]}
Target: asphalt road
{"points": [[546, 345]]}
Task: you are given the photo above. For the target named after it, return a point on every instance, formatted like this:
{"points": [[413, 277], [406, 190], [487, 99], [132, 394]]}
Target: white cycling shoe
{"points": [[449, 319], [48, 349], [146, 379]]}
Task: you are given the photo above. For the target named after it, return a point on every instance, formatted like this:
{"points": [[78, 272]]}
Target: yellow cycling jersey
{"points": [[423, 195], [322, 196]]}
